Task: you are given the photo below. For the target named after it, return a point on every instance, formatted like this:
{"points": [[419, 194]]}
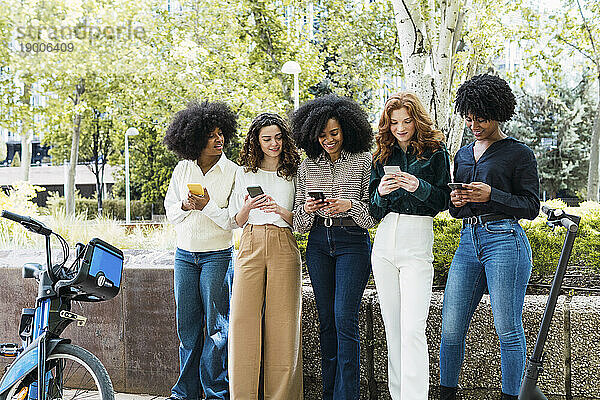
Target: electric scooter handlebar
{"points": [[28, 222], [559, 217]]}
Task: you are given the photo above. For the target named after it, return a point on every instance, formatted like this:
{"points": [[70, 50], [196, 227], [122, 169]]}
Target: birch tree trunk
{"points": [[416, 47], [442, 65], [24, 131], [593, 186], [70, 190], [411, 39], [25, 155]]}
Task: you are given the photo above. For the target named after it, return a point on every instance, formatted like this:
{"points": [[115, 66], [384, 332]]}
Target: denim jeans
{"points": [[203, 282], [339, 264], [495, 255]]}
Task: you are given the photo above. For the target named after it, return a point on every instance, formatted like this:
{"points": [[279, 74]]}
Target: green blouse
{"points": [[433, 193]]}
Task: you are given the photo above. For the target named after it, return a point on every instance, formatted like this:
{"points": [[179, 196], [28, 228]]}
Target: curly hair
{"points": [[426, 137], [310, 119], [188, 132], [486, 96], [252, 154]]}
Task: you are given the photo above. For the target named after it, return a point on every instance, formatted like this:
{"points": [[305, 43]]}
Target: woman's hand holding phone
{"points": [[388, 184], [311, 204], [398, 180], [270, 206], [336, 206], [457, 198], [196, 201], [250, 203], [474, 192]]}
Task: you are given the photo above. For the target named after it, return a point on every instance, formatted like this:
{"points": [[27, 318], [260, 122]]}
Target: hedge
{"points": [[111, 208], [546, 243]]}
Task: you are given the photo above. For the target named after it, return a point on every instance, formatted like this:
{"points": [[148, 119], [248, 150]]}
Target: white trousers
{"points": [[402, 259]]}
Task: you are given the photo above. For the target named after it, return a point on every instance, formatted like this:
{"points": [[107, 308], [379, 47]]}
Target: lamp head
{"points": [[291, 67], [131, 132]]}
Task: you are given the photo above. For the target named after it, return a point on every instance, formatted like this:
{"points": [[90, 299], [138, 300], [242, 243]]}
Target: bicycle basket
{"points": [[101, 270]]}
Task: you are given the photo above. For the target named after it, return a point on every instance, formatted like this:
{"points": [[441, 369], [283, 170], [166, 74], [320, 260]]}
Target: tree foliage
{"points": [[561, 47], [558, 128]]}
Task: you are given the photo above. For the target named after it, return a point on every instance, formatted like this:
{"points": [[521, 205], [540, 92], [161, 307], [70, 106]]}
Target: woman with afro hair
{"points": [[332, 203], [267, 294], [499, 186], [203, 267], [407, 200]]}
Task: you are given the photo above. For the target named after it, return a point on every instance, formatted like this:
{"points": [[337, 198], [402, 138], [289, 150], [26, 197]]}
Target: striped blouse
{"points": [[346, 178]]}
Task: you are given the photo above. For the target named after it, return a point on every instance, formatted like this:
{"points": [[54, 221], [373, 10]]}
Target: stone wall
{"points": [[134, 335]]}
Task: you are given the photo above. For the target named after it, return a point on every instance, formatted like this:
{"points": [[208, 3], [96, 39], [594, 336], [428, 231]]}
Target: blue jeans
{"points": [[339, 264], [203, 282], [495, 255]]}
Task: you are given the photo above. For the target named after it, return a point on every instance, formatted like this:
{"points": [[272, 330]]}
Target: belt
{"points": [[344, 221], [482, 219]]}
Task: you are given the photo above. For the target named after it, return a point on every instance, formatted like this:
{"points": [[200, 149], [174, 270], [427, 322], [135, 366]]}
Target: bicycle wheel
{"points": [[73, 373]]}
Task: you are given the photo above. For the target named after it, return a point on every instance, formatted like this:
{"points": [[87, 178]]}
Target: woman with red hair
{"points": [[408, 187]]}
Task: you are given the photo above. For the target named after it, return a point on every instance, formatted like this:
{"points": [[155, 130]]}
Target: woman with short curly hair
{"points": [[197, 205], [499, 185], [332, 203], [266, 300], [409, 186]]}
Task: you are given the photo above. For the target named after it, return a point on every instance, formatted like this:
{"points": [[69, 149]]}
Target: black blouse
{"points": [[510, 168]]}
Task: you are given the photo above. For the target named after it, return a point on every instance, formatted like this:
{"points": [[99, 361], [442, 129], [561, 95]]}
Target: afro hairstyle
{"points": [[486, 96], [310, 119], [188, 133]]}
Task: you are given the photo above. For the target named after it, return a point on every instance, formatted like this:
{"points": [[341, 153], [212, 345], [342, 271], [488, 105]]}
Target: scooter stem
{"points": [[529, 389]]}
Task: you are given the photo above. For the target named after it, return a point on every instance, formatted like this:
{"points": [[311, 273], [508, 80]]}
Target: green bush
{"points": [[546, 244], [111, 208]]}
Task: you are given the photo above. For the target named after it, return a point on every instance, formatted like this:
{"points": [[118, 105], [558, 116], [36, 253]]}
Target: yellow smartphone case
{"points": [[196, 188]]}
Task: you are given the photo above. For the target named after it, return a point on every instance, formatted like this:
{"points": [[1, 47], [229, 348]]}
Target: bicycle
{"points": [[47, 366]]}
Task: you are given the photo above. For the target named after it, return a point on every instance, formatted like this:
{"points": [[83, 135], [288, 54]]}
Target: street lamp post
{"points": [[292, 67], [129, 132]]}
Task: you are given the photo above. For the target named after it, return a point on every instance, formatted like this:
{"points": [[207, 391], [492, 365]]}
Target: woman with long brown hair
{"points": [[408, 187], [266, 279]]}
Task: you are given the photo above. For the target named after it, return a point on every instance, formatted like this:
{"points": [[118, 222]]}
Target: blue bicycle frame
{"points": [[47, 326]]}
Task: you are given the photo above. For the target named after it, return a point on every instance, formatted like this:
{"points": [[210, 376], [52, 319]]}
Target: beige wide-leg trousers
{"points": [[266, 284], [402, 267]]}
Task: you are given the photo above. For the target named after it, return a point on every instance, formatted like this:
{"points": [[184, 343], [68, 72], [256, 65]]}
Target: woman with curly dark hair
{"points": [[267, 298], [197, 205], [332, 202], [499, 186], [409, 186]]}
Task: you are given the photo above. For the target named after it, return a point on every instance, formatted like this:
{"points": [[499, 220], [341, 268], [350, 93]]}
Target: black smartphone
{"points": [[455, 185], [317, 195], [254, 191]]}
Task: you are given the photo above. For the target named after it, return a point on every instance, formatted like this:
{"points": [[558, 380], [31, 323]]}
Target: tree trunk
{"points": [[25, 155], [593, 186], [70, 192], [433, 91], [25, 121], [442, 66], [411, 40], [456, 124]]}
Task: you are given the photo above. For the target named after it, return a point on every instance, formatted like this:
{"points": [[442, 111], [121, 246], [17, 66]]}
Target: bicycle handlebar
{"points": [[29, 223]]}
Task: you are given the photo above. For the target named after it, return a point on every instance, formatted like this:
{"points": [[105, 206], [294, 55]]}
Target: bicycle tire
{"points": [[84, 376]]}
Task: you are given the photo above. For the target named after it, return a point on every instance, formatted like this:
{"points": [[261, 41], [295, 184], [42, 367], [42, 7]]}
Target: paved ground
{"points": [[129, 396]]}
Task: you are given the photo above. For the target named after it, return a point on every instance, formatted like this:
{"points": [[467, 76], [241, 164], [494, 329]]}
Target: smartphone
{"points": [[317, 195], [254, 191], [455, 185], [391, 169], [196, 188]]}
